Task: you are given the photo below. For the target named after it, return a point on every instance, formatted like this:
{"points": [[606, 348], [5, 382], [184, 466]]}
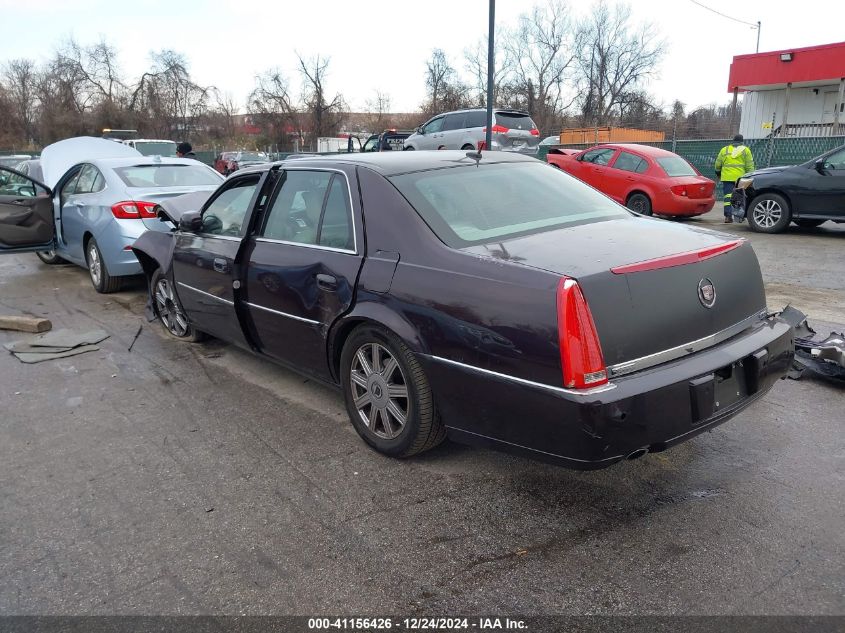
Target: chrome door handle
{"points": [[220, 265]]}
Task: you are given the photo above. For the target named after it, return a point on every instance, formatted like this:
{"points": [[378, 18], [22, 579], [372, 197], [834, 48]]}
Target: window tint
{"points": [[295, 213], [514, 121], [454, 121], [336, 224], [835, 161], [471, 205], [476, 118], [628, 162], [433, 126], [225, 215], [598, 156], [675, 166], [169, 175]]}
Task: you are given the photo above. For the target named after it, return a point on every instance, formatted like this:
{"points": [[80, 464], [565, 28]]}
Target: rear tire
{"points": [[408, 149], [467, 146], [169, 310], [639, 203], [387, 394], [809, 224], [102, 281], [49, 257], [768, 213]]}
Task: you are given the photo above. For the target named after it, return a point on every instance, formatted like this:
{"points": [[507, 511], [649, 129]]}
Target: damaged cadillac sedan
{"points": [[489, 299]]}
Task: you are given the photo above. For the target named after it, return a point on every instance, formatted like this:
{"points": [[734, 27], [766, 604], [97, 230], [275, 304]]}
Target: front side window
{"points": [[474, 205], [371, 145], [227, 212], [835, 161], [433, 126], [598, 156]]}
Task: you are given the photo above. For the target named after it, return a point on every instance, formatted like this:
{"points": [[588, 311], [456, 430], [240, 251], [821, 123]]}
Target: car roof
{"points": [[396, 162], [645, 150], [140, 160]]}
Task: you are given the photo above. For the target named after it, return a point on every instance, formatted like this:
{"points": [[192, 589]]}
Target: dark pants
{"points": [[727, 190]]}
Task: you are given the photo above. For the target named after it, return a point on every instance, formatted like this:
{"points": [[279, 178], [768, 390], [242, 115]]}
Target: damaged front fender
{"points": [[154, 250]]}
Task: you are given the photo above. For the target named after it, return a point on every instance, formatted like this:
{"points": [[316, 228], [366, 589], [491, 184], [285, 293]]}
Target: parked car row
{"points": [[230, 162], [424, 287]]}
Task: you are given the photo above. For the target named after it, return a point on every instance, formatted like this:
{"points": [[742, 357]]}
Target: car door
{"points": [[452, 131], [825, 191], [76, 216], [26, 214], [206, 268], [592, 167], [622, 174], [432, 134], [302, 265]]}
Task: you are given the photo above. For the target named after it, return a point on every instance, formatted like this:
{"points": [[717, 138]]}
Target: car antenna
{"points": [[476, 156]]}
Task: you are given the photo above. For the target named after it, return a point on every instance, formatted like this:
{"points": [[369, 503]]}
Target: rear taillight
{"points": [[535, 132], [133, 210], [580, 350], [679, 190], [497, 129]]}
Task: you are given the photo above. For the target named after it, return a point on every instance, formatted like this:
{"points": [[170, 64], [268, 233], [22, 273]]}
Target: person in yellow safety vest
{"points": [[732, 163]]}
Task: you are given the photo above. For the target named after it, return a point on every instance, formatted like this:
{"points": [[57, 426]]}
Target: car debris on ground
{"points": [[825, 357], [56, 344]]}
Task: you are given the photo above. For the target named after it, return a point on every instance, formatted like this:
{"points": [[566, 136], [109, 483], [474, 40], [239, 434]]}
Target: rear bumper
{"points": [[653, 409], [671, 204]]}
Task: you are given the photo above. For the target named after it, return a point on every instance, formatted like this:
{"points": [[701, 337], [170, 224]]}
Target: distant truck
{"points": [[386, 141]]}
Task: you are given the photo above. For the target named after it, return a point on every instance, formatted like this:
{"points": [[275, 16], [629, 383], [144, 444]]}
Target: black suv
{"points": [[807, 194]]}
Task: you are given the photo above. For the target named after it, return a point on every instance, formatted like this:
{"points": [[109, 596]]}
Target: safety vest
{"points": [[733, 163]]}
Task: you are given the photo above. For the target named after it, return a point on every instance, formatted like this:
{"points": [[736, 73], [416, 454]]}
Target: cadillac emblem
{"points": [[706, 293]]}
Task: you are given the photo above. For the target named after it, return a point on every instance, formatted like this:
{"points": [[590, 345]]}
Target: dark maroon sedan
{"points": [[491, 299]]}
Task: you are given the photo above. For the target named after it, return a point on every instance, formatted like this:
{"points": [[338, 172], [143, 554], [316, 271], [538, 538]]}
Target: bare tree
{"points": [[19, 80], [445, 90], [475, 62], [379, 108], [325, 114], [543, 47], [273, 108], [614, 61]]}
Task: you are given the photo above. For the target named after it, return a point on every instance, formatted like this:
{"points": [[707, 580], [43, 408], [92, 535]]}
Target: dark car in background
{"points": [[423, 286], [808, 194]]}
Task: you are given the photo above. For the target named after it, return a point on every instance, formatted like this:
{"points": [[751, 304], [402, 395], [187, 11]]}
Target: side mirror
{"points": [[190, 221], [819, 165], [420, 130]]}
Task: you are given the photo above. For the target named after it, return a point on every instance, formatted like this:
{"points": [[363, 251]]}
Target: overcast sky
{"points": [[383, 45]]}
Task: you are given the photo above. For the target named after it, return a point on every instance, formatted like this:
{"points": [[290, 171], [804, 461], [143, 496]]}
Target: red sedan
{"points": [[645, 179]]}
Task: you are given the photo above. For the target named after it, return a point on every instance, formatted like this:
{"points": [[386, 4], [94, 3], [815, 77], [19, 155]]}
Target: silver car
{"points": [[95, 199], [512, 131]]}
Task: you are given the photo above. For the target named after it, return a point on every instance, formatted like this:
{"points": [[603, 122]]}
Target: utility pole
{"points": [[758, 36], [491, 60]]}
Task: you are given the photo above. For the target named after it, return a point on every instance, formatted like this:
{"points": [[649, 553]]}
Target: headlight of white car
{"points": [[744, 183]]}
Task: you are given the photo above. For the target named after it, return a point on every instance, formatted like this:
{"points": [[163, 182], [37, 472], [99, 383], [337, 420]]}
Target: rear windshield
{"points": [[676, 166], [472, 205], [514, 121], [153, 148], [167, 175], [252, 156]]}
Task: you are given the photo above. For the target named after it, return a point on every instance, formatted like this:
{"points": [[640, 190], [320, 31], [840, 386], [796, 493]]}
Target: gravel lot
{"points": [[197, 479]]}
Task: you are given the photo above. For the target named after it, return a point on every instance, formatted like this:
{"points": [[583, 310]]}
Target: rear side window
{"points": [[295, 213], [454, 121], [514, 121], [336, 224], [476, 118], [226, 213], [629, 162], [85, 182], [167, 175], [675, 166], [472, 205]]}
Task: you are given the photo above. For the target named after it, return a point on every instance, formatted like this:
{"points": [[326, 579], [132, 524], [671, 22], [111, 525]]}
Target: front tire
{"points": [[169, 310], [102, 281], [769, 213], [49, 257], [639, 203], [387, 394]]}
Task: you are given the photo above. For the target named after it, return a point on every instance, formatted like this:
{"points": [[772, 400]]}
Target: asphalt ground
{"points": [[197, 479]]}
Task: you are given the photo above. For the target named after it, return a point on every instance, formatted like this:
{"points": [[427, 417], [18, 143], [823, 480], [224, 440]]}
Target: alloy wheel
{"points": [[95, 264], [168, 309], [379, 391], [767, 213]]}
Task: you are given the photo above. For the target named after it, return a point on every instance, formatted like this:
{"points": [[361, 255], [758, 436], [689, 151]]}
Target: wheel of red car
{"points": [[639, 203], [387, 394], [768, 213]]}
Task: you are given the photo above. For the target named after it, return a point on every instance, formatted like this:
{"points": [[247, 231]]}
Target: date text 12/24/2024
{"points": [[416, 624]]}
